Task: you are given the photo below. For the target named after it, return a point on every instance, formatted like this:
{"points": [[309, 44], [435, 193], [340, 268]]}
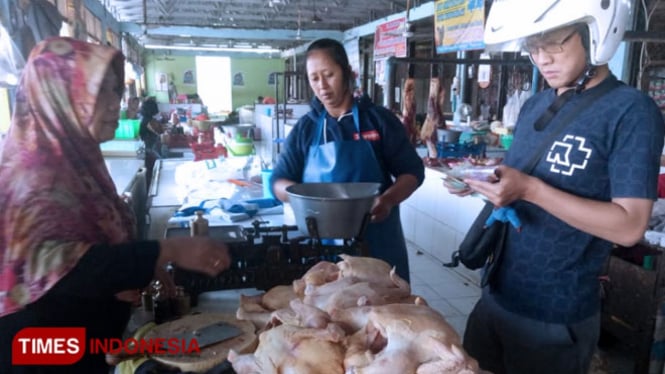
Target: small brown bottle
{"points": [[181, 303], [199, 225]]}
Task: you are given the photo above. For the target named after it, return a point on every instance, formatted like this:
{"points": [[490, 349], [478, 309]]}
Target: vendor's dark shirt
{"points": [[377, 125]]}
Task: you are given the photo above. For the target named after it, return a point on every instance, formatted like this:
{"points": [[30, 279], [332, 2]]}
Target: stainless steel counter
{"points": [[166, 198], [121, 148], [163, 188], [122, 171]]}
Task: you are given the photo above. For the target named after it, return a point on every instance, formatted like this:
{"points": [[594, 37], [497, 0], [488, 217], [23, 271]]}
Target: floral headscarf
{"points": [[57, 197]]}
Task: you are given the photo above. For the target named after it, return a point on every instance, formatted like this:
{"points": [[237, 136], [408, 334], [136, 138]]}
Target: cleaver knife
{"points": [[205, 336], [209, 334]]}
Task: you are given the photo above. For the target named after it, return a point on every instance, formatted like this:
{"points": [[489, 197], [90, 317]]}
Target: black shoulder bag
{"points": [[483, 245]]}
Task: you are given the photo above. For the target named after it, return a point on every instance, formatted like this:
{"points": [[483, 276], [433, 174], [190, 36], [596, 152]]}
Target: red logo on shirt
{"points": [[370, 136]]}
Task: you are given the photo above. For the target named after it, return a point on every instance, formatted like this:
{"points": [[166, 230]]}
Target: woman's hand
{"points": [[383, 205], [381, 209], [130, 296], [200, 254]]}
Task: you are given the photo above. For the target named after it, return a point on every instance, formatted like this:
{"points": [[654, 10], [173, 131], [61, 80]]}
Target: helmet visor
{"points": [[550, 43]]}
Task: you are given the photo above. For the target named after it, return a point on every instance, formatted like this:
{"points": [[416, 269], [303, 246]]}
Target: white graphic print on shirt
{"points": [[563, 152]]}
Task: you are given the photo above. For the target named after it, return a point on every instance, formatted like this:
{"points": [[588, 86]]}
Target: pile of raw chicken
{"points": [[354, 316]]}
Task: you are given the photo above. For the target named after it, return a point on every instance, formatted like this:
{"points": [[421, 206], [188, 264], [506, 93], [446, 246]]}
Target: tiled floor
{"points": [[454, 296], [443, 288]]}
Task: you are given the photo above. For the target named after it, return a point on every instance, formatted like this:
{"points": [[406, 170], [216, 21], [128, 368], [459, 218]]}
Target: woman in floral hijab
{"points": [[67, 255]]}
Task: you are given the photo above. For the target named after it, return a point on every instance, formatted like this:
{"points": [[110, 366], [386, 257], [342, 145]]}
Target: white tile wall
{"points": [[437, 221]]}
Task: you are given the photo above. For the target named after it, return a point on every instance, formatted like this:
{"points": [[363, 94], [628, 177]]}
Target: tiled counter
{"points": [[437, 221]]}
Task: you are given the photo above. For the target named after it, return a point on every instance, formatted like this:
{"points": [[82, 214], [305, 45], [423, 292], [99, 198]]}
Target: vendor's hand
{"points": [[201, 254], [381, 209], [509, 186]]}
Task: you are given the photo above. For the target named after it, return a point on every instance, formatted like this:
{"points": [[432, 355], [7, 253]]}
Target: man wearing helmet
{"points": [[593, 186]]}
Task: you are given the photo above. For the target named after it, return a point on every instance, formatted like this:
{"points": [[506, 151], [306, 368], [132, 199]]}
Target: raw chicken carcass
{"points": [[350, 292], [401, 338], [366, 269], [258, 308], [300, 314], [276, 298], [322, 272], [294, 350]]}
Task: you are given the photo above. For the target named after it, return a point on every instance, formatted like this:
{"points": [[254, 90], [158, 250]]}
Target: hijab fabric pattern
{"points": [[57, 197]]}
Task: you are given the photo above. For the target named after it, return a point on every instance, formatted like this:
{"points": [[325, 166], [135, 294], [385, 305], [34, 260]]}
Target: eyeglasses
{"points": [[551, 48]]}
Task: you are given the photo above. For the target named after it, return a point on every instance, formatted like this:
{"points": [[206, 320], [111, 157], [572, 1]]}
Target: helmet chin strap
{"points": [[580, 83]]}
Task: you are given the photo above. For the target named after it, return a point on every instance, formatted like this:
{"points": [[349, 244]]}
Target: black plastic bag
{"points": [[482, 246]]}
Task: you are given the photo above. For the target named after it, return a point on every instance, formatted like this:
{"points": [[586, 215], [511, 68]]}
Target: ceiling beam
{"points": [[229, 33]]}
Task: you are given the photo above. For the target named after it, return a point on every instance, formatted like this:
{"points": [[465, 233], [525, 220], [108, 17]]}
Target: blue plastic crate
{"points": [[457, 150]]}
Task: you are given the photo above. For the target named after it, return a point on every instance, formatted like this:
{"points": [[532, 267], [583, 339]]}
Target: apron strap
{"points": [[322, 122]]}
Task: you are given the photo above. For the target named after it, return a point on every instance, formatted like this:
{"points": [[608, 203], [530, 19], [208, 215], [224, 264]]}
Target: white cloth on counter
{"points": [[221, 211], [224, 189]]}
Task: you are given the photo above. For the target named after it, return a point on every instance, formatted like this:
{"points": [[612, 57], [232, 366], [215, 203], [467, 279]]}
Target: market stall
{"points": [[274, 262]]}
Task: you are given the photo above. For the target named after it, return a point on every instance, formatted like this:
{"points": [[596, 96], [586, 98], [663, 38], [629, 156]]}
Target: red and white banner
{"points": [[389, 39]]}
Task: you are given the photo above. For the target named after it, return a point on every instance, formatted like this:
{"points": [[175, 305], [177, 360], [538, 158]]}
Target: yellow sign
{"points": [[459, 25]]}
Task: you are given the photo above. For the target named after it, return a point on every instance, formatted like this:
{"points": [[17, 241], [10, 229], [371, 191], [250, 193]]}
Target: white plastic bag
{"points": [[511, 110], [11, 61]]}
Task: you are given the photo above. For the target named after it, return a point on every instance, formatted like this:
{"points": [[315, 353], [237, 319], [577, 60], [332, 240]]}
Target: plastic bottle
{"points": [[199, 225]]}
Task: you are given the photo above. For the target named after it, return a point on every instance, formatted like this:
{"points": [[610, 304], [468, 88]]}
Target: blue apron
{"points": [[355, 161]]}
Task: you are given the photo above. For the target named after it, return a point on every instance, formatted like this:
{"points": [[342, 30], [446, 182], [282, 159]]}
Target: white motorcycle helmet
{"points": [[510, 22]]}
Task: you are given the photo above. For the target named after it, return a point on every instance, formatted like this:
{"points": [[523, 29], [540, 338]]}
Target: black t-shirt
{"points": [[149, 108]]}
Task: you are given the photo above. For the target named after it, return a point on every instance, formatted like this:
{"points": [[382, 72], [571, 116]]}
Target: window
{"points": [[213, 82]]}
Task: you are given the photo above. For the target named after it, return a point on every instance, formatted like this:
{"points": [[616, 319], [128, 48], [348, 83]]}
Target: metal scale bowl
{"points": [[333, 210]]}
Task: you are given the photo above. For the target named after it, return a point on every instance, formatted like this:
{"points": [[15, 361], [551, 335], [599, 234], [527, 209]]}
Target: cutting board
{"points": [[211, 355]]}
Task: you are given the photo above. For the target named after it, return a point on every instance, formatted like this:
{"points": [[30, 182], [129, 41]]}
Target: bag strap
{"points": [[551, 110], [548, 115], [544, 119]]}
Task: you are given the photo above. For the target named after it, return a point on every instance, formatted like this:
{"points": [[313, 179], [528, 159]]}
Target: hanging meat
{"points": [[434, 116], [409, 110]]}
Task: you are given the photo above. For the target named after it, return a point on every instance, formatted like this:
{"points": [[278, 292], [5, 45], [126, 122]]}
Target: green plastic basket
{"points": [[127, 129], [506, 141], [239, 148]]}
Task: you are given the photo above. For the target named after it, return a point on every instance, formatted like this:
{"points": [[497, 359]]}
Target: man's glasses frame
{"points": [[550, 48]]}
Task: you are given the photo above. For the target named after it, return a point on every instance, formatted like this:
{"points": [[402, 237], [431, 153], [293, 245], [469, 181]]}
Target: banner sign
{"points": [[459, 25], [389, 39]]}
